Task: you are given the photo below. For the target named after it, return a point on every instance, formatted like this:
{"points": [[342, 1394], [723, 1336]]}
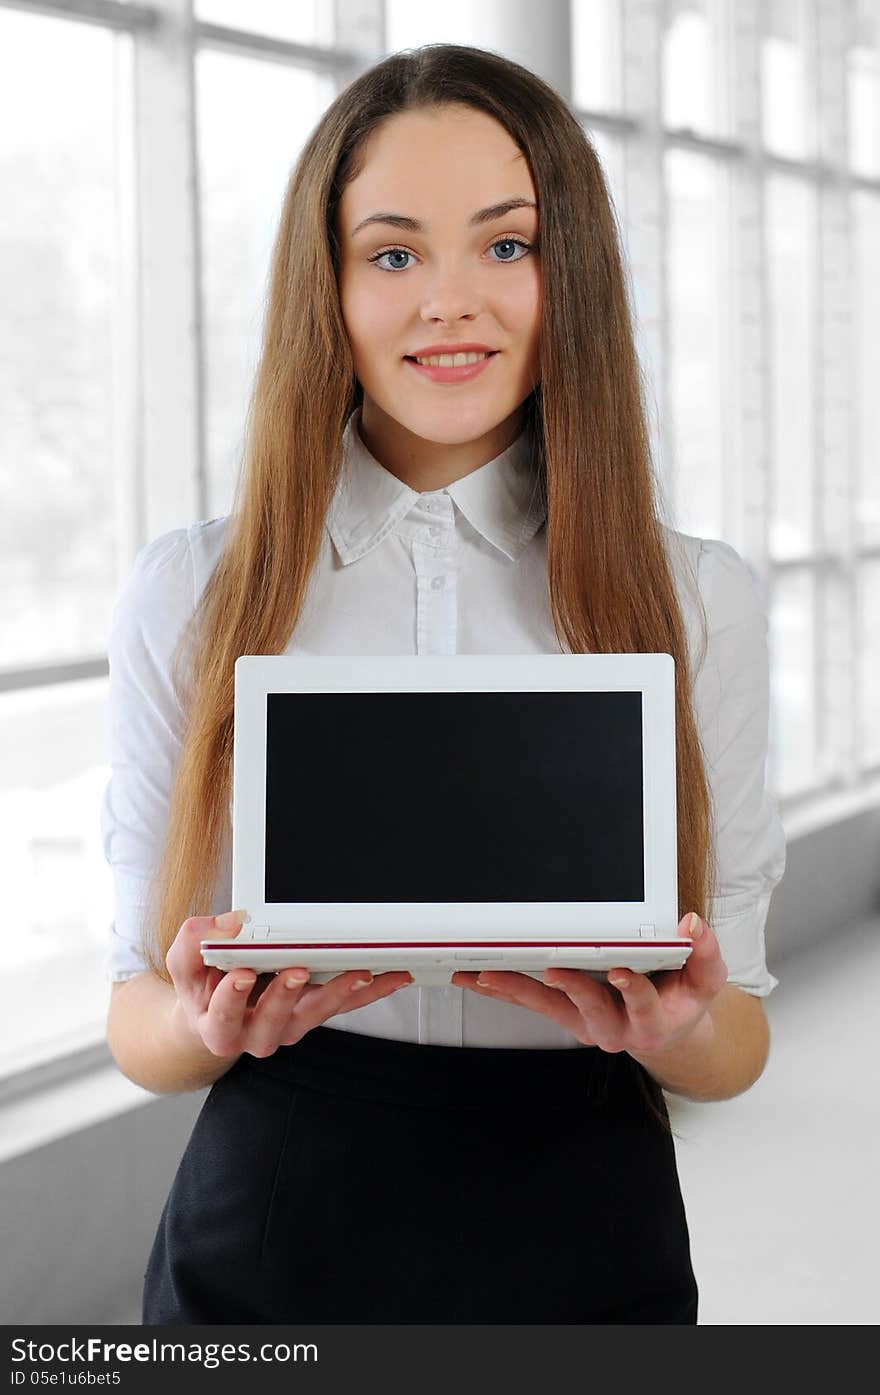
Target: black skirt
{"points": [[353, 1179]]}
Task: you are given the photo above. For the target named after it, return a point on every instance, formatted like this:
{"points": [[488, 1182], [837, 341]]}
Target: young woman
{"points": [[497, 1150]]}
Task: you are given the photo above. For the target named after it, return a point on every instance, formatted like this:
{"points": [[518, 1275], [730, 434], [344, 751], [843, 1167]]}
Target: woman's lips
{"points": [[464, 374]]}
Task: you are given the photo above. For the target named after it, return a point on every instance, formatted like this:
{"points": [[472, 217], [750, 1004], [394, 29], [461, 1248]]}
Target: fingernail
{"points": [[695, 926], [619, 982], [294, 979], [242, 983], [360, 983], [230, 920], [483, 981]]}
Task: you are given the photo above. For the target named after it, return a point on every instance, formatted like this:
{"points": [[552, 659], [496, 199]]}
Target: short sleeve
{"points": [[145, 721], [732, 706]]}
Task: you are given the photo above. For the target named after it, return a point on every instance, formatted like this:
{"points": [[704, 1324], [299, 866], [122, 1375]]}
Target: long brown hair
{"points": [[611, 588]]}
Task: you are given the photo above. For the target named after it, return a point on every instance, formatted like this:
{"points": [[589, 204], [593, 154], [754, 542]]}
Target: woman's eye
{"points": [[512, 242], [507, 242], [392, 252]]}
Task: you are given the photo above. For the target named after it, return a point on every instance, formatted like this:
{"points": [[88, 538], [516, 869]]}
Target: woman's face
{"points": [[448, 282]]}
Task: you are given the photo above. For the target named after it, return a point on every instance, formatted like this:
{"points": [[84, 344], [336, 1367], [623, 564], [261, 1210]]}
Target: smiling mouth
{"points": [[412, 359]]}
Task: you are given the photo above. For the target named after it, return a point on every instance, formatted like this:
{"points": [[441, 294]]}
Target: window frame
{"points": [[162, 309]]}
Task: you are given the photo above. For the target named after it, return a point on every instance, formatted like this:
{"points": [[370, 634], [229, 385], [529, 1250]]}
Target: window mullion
{"points": [[646, 216], [171, 407], [750, 504], [835, 483]]}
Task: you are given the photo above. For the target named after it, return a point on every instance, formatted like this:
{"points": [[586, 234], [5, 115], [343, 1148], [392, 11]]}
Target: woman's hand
{"points": [[240, 1010], [637, 1014]]}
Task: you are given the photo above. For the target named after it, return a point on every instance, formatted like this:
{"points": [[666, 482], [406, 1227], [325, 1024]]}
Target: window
{"points": [[696, 69], [597, 55], [64, 283], [755, 287], [61, 286], [865, 213], [81, 491], [742, 148], [792, 275], [698, 318], [788, 124], [306, 22], [253, 118], [863, 89]]}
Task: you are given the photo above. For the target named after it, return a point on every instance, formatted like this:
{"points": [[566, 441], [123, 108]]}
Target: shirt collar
{"points": [[501, 500]]}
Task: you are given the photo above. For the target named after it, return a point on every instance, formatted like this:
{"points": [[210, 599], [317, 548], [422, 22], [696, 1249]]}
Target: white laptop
{"points": [[444, 812]]}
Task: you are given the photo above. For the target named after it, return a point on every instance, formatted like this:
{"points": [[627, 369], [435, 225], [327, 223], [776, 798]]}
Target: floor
{"points": [[780, 1184]]}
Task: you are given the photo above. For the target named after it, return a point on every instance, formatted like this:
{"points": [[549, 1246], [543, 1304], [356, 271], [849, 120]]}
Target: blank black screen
{"points": [[450, 796]]}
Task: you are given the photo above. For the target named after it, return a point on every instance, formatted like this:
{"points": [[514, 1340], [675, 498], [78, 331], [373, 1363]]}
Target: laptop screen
{"points": [[454, 796]]}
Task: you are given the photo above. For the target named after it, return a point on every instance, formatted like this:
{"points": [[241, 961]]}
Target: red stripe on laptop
{"points": [[449, 944]]}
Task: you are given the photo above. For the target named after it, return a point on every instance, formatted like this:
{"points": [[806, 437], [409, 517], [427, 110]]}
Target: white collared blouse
{"points": [[459, 570]]}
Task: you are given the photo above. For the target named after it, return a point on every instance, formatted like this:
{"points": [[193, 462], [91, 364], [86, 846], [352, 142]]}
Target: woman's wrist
{"points": [[196, 1064], [675, 1067], [187, 1038], [182, 1030], [719, 1059]]}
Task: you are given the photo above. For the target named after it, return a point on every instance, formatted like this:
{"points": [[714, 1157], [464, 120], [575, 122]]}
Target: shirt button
{"points": [[437, 583], [434, 532]]}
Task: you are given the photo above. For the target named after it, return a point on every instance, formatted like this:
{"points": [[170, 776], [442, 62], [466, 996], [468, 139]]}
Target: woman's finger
{"points": [[222, 1024], [705, 972], [604, 1018], [643, 1008], [524, 991], [189, 973], [271, 1015], [344, 993]]}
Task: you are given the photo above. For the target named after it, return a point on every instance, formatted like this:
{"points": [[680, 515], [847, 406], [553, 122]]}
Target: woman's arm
{"points": [[153, 1044], [725, 1054]]}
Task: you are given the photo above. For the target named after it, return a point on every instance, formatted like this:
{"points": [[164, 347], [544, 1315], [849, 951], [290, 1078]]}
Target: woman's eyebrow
{"points": [[483, 215]]}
